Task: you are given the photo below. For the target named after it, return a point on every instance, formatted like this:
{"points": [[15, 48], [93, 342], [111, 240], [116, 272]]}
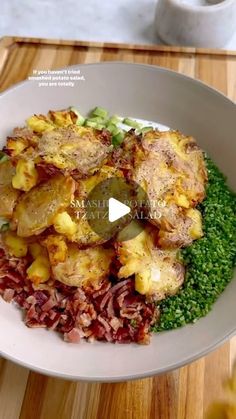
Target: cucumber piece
{"points": [[114, 120], [91, 124], [118, 138], [145, 129], [100, 127], [94, 124], [100, 112], [113, 129], [131, 123], [80, 121], [98, 120]]}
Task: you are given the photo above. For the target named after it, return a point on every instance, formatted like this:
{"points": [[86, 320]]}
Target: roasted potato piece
{"points": [[15, 146], [40, 124], [184, 229], [62, 118], [7, 171], [64, 224], [19, 141], [84, 236], [57, 248], [83, 267], [171, 170], [39, 271], [26, 175], [75, 148], [36, 250], [16, 246], [7, 193], [158, 273], [36, 209]]}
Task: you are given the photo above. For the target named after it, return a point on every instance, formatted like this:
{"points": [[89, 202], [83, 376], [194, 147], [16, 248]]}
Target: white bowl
{"points": [[150, 93], [188, 22]]}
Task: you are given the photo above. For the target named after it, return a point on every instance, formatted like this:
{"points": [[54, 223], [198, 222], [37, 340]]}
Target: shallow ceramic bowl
{"points": [[176, 101]]}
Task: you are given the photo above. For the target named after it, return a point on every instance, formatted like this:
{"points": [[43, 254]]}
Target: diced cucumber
{"points": [[100, 112], [89, 123], [100, 127], [145, 129], [80, 121], [93, 124], [131, 123], [118, 138], [113, 129], [98, 120], [115, 119]]}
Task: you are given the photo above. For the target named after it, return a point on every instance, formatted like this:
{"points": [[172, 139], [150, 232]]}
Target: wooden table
{"points": [[181, 394]]}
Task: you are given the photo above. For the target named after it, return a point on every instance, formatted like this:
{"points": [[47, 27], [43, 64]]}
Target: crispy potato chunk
{"points": [[187, 229], [20, 140], [40, 123], [15, 146], [26, 175], [37, 208], [84, 236], [83, 267], [170, 168], [17, 246], [36, 249], [64, 224], [62, 118], [7, 193], [57, 248], [39, 271], [75, 148], [158, 273]]}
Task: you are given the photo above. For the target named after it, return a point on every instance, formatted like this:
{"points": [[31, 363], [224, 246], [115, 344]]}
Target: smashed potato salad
{"points": [[57, 159]]}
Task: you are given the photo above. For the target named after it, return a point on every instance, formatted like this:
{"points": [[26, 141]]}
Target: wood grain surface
{"points": [[182, 394]]}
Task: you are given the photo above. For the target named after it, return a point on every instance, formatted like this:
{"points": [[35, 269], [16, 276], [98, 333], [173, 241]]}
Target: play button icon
{"points": [[116, 209], [112, 205]]}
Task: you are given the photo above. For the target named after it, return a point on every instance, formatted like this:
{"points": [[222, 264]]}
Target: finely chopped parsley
{"points": [[209, 261]]}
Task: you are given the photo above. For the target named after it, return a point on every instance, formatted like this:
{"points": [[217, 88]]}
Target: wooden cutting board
{"points": [[182, 394]]}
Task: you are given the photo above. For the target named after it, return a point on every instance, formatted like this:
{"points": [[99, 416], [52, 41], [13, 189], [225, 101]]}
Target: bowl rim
{"points": [[201, 9], [155, 371]]}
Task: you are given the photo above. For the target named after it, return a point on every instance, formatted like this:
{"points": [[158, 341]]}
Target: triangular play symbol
{"points": [[116, 210]]}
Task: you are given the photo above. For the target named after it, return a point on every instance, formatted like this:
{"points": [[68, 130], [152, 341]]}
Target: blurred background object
{"points": [[129, 21], [200, 23]]}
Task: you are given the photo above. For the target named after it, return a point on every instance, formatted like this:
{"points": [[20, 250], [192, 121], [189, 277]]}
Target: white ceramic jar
{"points": [[200, 23]]}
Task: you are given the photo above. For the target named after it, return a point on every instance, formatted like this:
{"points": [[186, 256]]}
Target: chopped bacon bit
{"points": [[103, 313], [8, 295]]}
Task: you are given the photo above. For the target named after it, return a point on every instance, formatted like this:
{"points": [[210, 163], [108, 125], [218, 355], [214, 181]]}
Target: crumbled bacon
{"points": [[113, 313]]}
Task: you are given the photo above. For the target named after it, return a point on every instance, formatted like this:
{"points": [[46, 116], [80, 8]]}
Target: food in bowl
{"points": [[68, 278]]}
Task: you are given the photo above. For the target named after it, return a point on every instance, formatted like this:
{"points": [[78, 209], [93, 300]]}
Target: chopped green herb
{"points": [[133, 323], [209, 261]]}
